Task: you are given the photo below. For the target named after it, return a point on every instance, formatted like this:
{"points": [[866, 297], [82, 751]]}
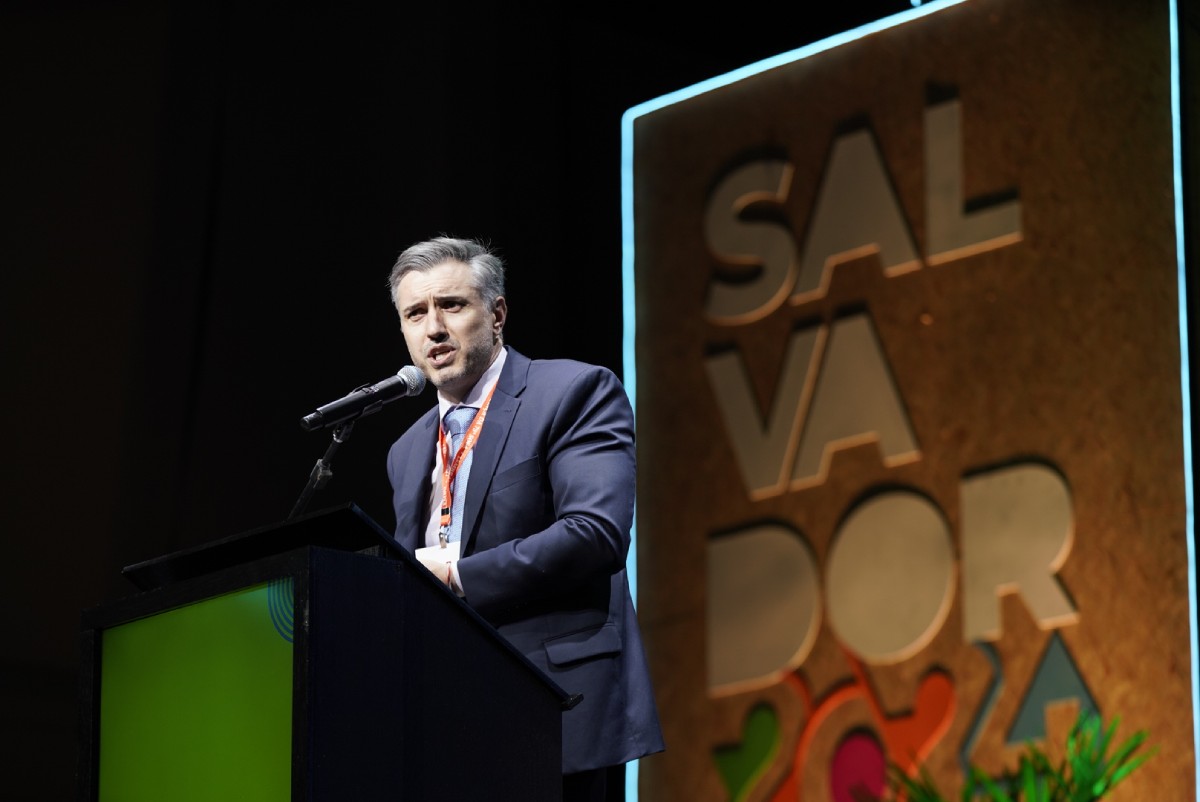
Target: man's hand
{"points": [[437, 564]]}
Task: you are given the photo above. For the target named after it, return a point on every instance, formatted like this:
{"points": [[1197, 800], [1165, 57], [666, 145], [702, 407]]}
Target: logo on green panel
{"points": [[281, 603]]}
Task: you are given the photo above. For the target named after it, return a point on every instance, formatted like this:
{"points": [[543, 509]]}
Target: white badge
{"points": [[442, 554]]}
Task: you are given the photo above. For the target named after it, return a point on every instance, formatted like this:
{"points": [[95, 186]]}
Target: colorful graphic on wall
{"points": [[906, 347]]}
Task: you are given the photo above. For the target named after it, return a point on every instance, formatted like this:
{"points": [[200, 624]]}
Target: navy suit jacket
{"points": [[546, 531]]}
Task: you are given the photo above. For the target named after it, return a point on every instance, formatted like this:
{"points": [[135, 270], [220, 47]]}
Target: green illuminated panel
{"points": [[196, 702]]}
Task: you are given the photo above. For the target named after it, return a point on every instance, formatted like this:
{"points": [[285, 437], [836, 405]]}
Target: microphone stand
{"points": [[322, 471]]}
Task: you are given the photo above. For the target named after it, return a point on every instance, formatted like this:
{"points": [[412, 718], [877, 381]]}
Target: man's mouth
{"points": [[440, 356]]}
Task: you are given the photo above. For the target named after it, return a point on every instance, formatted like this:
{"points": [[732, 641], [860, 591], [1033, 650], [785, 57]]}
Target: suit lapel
{"points": [[410, 523], [496, 426]]}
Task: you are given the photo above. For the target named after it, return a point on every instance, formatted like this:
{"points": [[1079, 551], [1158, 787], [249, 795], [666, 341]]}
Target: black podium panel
{"points": [[346, 528]]}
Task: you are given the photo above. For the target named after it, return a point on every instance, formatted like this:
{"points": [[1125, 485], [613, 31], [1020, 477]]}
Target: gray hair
{"points": [[487, 268]]}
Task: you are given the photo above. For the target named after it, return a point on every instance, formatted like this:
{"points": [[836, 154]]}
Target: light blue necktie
{"points": [[456, 422]]}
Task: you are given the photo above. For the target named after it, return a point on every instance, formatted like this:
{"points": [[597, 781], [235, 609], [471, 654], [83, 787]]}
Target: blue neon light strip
{"points": [[1184, 371]]}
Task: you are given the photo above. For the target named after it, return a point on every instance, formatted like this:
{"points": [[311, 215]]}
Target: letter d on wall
{"points": [[764, 605]]}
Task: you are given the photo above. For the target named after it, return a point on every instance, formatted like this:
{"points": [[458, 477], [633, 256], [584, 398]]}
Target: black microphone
{"points": [[366, 399]]}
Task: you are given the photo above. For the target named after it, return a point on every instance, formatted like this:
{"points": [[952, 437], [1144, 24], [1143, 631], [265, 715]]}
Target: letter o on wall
{"points": [[889, 577]]}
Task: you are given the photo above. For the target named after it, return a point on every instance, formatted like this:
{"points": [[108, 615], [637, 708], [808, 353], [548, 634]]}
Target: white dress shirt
{"points": [[474, 398]]}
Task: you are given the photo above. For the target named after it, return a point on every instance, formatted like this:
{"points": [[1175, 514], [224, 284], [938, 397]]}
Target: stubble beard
{"points": [[458, 378]]}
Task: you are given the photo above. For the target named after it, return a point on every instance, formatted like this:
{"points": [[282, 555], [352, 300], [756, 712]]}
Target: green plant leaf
{"points": [[1085, 774]]}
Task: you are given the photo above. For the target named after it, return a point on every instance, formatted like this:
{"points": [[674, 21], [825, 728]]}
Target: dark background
{"points": [[200, 206]]}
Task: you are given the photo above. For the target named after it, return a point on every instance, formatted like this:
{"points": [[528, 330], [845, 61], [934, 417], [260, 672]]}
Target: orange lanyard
{"points": [[449, 471]]}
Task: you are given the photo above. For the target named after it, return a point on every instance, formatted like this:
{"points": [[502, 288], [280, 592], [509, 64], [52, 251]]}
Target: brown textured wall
{"points": [[1061, 349]]}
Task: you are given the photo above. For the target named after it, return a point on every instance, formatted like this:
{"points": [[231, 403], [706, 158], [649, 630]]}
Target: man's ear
{"points": [[499, 315]]}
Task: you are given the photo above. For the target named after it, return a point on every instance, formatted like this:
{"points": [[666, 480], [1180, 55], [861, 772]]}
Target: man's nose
{"points": [[435, 325]]}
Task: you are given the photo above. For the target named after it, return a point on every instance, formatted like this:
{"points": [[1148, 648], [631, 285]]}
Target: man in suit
{"points": [[537, 540]]}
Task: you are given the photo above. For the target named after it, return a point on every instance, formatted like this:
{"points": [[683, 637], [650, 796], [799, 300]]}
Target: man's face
{"points": [[451, 335]]}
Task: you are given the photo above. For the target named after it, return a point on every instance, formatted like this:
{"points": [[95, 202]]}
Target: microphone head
{"points": [[413, 379]]}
